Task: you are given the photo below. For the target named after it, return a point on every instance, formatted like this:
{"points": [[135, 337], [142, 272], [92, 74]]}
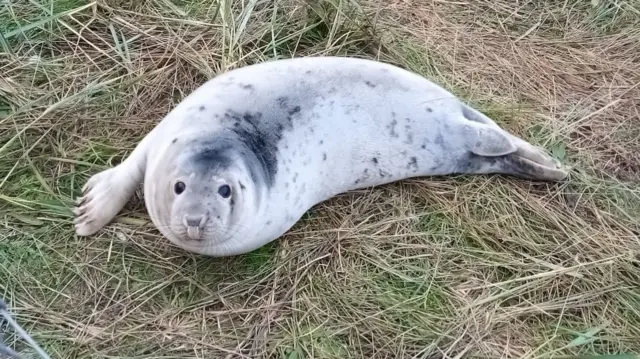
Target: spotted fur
{"points": [[288, 134]]}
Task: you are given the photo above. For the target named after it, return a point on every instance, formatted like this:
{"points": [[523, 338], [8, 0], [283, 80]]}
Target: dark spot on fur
{"points": [[279, 130], [174, 140], [429, 109], [283, 102], [370, 84], [413, 164], [268, 223], [439, 140], [218, 217], [214, 156], [232, 202], [472, 163], [261, 139], [295, 177], [321, 142], [375, 160], [201, 108], [247, 87], [308, 72], [324, 156], [364, 177], [294, 110], [423, 146], [286, 185], [242, 187], [407, 130], [392, 128]]}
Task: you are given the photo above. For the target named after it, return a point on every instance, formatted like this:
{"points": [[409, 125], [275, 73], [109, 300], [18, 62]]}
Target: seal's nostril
{"points": [[193, 221]]}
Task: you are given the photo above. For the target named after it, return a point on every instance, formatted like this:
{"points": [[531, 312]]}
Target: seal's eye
{"points": [[224, 191], [179, 187]]}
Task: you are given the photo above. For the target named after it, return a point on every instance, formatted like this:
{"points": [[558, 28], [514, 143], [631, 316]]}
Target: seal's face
{"points": [[202, 205], [206, 190]]}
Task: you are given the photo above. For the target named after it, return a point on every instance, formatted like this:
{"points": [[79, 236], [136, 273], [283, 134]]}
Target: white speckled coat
{"points": [[285, 135]]}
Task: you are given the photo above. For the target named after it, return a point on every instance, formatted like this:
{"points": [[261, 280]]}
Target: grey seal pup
{"points": [[239, 161]]}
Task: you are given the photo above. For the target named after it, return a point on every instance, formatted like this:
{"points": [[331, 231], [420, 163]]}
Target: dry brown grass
{"points": [[438, 267]]}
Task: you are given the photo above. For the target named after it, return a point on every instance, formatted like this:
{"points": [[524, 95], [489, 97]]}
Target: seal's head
{"points": [[200, 193]]}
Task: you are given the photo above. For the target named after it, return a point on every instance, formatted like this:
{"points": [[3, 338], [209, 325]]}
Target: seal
{"points": [[238, 162]]}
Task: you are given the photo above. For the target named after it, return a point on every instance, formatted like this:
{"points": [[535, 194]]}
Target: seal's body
{"points": [[240, 160]]}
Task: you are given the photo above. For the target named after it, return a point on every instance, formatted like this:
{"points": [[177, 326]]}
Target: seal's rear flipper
{"points": [[494, 150], [487, 140], [516, 165], [528, 160], [511, 164], [534, 153]]}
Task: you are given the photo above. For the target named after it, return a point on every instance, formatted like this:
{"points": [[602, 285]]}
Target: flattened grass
{"points": [[460, 266]]}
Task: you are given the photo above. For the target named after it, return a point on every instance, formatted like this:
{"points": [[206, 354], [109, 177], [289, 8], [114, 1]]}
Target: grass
{"points": [[462, 266]]}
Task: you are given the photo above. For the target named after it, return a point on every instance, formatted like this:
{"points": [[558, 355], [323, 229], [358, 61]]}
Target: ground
{"points": [[457, 266]]}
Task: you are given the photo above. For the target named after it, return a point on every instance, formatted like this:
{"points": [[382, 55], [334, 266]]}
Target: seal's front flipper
{"points": [[487, 140], [106, 193]]}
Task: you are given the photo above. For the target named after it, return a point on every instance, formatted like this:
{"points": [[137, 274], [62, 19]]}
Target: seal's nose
{"points": [[194, 225], [194, 221]]}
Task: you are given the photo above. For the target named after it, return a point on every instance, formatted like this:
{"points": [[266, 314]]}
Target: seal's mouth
{"points": [[195, 226], [194, 233]]}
